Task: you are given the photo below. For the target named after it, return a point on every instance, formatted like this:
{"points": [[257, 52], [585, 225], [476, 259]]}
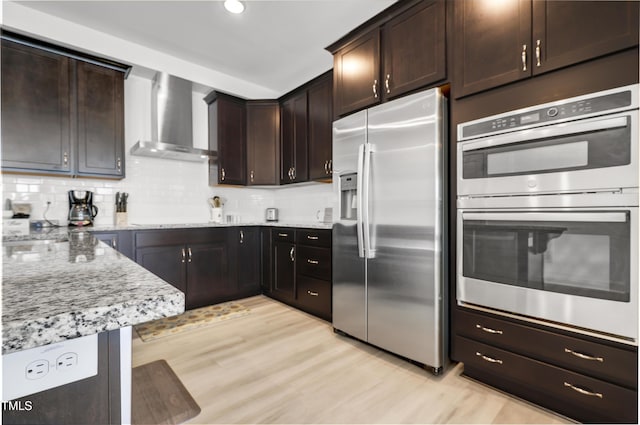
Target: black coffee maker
{"points": [[81, 208]]}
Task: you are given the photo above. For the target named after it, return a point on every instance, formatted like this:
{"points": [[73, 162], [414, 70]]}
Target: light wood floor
{"points": [[280, 365]]}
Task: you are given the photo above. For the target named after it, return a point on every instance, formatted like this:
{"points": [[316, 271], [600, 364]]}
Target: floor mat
{"points": [[158, 396], [190, 320]]}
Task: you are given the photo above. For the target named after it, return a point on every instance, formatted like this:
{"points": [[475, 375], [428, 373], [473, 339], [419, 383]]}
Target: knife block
{"points": [[121, 219]]}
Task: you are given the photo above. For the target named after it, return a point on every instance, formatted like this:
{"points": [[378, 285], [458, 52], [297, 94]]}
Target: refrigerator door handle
{"points": [[359, 204], [366, 181]]}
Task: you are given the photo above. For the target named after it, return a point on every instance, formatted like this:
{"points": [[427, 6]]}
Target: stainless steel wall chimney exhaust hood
{"points": [[171, 123]]}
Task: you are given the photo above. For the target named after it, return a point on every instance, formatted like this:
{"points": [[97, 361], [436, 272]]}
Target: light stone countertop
{"points": [[64, 285]]}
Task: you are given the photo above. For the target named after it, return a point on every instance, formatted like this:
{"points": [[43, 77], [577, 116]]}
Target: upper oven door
{"points": [[593, 154], [573, 266]]}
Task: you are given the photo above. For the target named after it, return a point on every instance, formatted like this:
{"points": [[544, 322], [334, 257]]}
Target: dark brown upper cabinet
{"points": [[227, 121], [320, 120], [414, 49], [356, 74], [400, 50], [293, 141], [61, 115], [263, 142], [496, 43], [100, 120]]}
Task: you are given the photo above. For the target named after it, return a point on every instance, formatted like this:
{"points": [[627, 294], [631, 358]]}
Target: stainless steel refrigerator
{"points": [[388, 284]]}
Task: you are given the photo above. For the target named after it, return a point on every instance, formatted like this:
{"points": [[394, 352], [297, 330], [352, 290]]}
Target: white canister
{"points": [[216, 215]]}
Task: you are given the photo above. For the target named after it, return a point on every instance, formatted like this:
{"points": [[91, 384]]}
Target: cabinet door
{"points": [[248, 261], [263, 143], [110, 238], [320, 116], [35, 110], [491, 44], [293, 158], [100, 120], [207, 275], [414, 49], [166, 262], [356, 77], [568, 32], [284, 258], [231, 141], [266, 262]]}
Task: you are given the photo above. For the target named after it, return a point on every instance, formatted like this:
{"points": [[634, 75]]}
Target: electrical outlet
{"points": [[37, 369], [67, 361]]}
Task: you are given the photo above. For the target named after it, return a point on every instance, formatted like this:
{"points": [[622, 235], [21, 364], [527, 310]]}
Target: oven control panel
{"points": [[542, 114]]}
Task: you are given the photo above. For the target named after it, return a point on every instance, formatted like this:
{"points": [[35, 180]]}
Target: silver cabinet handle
{"points": [[190, 255], [222, 174], [65, 158], [184, 255], [326, 167], [251, 176], [241, 236], [488, 359], [489, 330], [114, 244], [312, 238], [524, 57], [584, 356], [312, 261], [537, 52], [330, 166], [119, 164], [283, 235], [312, 293], [293, 171], [582, 390], [292, 253], [290, 173], [375, 88], [386, 83]]}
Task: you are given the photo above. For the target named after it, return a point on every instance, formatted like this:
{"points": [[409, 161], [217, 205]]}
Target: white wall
{"points": [[161, 190]]}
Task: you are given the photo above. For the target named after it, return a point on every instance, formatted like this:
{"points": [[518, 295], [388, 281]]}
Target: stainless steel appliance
{"points": [[271, 214], [81, 208], [548, 214], [388, 285]]}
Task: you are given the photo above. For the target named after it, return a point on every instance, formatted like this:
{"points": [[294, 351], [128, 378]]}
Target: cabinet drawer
{"points": [[283, 234], [159, 237], [598, 360], [314, 295], [314, 237], [577, 396], [314, 262]]}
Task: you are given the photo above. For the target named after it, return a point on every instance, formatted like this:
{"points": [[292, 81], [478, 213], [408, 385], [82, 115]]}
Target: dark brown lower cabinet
{"points": [[244, 247], [165, 262], [208, 280], [120, 240], [196, 261], [300, 269], [584, 378], [93, 400], [284, 270]]}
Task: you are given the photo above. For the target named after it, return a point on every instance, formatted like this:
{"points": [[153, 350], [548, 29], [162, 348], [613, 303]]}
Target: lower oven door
{"points": [[576, 267]]}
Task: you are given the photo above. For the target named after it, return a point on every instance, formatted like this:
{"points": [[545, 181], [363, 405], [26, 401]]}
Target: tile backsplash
{"points": [[160, 190]]}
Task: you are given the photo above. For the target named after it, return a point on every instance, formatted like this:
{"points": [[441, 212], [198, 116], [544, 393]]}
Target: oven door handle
{"points": [[549, 131], [607, 217]]}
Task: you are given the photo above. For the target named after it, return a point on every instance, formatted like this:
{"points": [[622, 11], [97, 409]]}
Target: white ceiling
{"points": [[275, 44]]}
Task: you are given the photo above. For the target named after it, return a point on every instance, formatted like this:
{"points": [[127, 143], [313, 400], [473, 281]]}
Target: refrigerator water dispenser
{"points": [[348, 196]]}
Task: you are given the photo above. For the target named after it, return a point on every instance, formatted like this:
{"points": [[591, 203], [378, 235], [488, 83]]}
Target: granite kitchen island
{"points": [[63, 288]]}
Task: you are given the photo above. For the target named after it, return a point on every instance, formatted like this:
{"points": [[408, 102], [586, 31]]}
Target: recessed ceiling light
{"points": [[234, 6]]}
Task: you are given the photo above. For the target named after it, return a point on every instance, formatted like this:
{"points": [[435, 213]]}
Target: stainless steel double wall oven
{"points": [[548, 213]]}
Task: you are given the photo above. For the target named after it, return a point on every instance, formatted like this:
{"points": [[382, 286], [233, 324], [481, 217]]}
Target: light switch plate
{"points": [[37, 369]]}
